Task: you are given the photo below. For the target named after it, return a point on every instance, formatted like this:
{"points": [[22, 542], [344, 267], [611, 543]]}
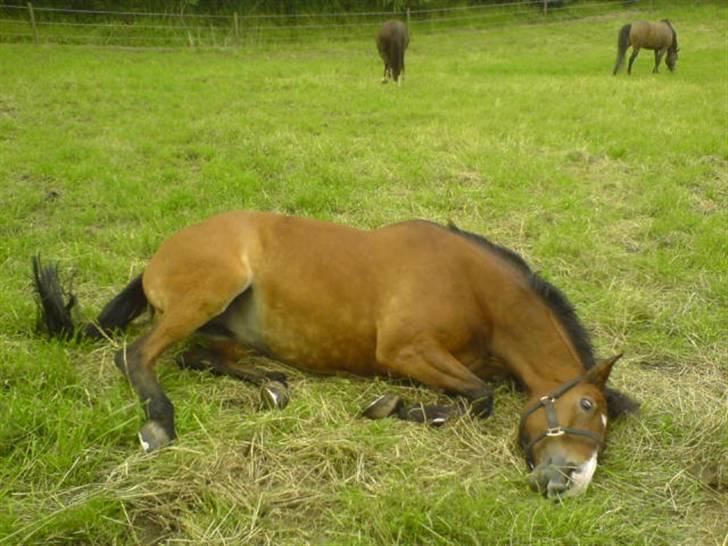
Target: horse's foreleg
{"points": [[635, 52], [658, 58], [437, 368]]}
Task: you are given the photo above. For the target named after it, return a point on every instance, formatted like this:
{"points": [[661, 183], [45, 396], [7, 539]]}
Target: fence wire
{"points": [[139, 29]]}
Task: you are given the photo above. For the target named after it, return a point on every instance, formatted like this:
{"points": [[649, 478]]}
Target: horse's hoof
{"points": [[435, 416], [153, 436], [482, 406], [274, 395], [384, 406], [193, 360], [278, 377]]}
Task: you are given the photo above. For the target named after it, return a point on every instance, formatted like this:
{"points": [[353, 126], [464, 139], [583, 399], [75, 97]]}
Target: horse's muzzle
{"points": [[556, 478], [551, 480]]}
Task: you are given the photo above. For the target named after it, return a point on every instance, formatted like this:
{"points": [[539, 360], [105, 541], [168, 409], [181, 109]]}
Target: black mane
{"points": [[618, 403], [551, 295]]}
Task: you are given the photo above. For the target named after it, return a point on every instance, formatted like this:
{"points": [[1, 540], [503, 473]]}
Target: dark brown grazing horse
{"points": [[661, 37], [392, 41], [416, 300]]}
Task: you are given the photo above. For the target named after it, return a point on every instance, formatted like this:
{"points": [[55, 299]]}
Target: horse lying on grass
{"points": [[415, 300], [661, 37], [392, 41]]}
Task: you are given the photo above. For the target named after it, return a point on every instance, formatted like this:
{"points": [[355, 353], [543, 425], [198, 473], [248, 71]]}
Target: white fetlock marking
{"points": [[145, 445], [582, 478], [438, 420], [273, 395]]}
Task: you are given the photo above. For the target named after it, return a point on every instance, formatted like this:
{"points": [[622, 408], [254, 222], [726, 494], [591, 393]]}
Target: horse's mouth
{"points": [[559, 481]]}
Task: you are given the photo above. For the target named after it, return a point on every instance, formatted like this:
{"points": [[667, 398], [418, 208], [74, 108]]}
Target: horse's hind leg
{"points": [[635, 52], [220, 357], [137, 362], [658, 58], [191, 309]]}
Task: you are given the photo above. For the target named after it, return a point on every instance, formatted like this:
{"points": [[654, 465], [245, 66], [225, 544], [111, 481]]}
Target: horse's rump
{"points": [[392, 41]]}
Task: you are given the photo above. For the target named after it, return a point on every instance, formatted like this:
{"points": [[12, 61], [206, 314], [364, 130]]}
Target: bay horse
{"points": [[416, 300], [392, 41], [661, 37]]}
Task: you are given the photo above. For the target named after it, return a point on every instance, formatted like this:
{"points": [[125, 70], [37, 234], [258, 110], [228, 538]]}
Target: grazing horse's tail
{"points": [[396, 59], [56, 306], [622, 45]]}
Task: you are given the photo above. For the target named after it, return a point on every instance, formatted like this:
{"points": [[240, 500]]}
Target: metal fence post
{"points": [[236, 27], [408, 17], [545, 7], [32, 22]]}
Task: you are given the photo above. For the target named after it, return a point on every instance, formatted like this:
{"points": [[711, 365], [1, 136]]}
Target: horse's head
{"points": [[562, 433], [671, 60]]}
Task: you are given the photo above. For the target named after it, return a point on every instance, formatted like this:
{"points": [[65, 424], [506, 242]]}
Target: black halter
{"points": [[554, 428]]}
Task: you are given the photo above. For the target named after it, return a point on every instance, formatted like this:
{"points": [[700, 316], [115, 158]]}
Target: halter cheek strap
{"points": [[554, 429]]}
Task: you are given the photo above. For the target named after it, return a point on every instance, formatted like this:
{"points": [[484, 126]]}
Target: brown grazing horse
{"points": [[661, 37], [416, 300], [392, 41]]}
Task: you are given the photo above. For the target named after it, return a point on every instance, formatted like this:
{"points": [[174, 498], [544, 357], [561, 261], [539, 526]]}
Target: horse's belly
{"points": [[319, 340], [320, 343]]}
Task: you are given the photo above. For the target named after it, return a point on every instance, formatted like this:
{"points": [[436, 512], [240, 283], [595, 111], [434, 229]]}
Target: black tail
{"points": [[396, 56], [622, 45], [57, 306]]}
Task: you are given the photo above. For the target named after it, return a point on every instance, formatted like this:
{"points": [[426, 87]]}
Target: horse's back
{"points": [[644, 34], [392, 31]]}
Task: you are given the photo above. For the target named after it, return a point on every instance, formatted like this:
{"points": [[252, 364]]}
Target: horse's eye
{"points": [[586, 404]]}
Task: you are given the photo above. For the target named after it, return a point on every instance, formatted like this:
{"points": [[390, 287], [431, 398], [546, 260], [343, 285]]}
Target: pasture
{"points": [[613, 188]]}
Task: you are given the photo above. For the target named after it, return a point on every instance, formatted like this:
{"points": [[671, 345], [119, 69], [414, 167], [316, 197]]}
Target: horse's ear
{"points": [[600, 373]]}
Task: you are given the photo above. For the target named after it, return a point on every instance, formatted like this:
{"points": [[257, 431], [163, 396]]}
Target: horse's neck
{"points": [[535, 346]]}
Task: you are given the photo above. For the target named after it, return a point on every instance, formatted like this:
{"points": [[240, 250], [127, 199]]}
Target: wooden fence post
{"points": [[236, 28], [32, 22]]}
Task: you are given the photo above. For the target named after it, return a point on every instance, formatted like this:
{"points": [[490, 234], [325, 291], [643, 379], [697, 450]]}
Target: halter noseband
{"points": [[554, 428]]}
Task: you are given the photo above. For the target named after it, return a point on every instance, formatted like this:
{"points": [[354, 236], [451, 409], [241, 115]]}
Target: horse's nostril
{"points": [[556, 487]]}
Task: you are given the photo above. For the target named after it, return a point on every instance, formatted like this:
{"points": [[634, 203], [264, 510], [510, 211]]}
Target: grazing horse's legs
{"points": [[658, 58], [635, 52]]}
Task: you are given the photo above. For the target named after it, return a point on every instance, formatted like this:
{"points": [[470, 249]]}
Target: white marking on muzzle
{"points": [[604, 421], [581, 478]]}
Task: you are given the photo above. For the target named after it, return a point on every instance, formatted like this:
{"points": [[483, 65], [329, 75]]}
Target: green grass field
{"points": [[614, 188]]}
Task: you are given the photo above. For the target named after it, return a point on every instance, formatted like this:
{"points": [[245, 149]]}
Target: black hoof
{"points": [[435, 416], [274, 395], [384, 406], [194, 359], [278, 377], [482, 405], [153, 436]]}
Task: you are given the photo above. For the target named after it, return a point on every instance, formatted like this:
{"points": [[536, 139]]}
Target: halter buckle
{"points": [[554, 431]]}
